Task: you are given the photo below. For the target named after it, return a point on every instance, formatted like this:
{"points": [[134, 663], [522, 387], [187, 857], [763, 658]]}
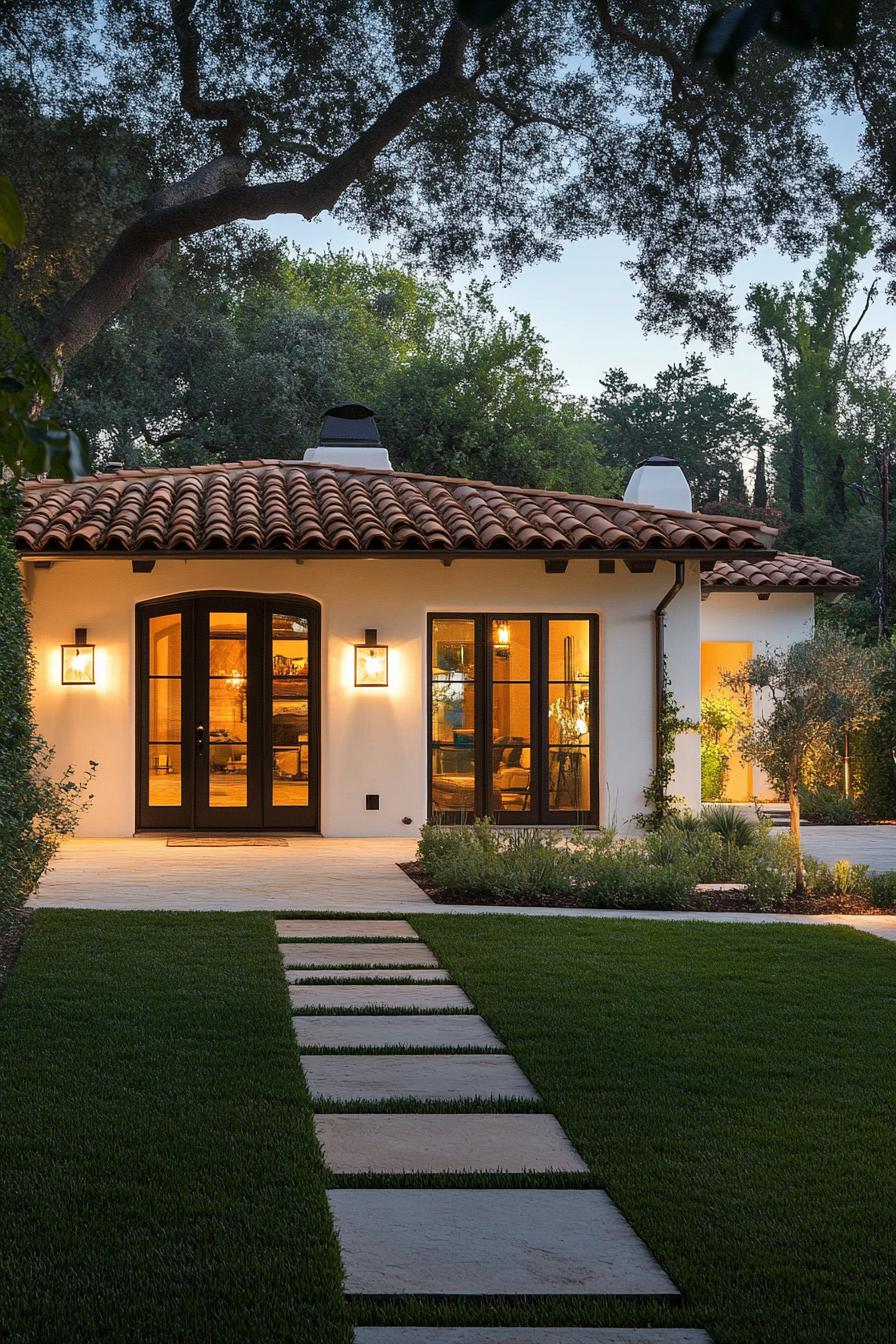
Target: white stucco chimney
{"points": [[661, 482], [349, 438]]}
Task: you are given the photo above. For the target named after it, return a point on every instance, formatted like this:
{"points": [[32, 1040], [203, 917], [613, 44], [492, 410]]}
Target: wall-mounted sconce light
{"points": [[502, 639], [77, 661], [371, 661]]}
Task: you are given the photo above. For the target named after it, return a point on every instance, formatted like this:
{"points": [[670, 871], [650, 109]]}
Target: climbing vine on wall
{"points": [[658, 803]]}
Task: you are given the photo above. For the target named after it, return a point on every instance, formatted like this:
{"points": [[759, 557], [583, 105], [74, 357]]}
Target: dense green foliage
{"points": [[731, 1087], [37, 807], [198, 373], [710, 430], [835, 412], [29, 441], [658, 873], [719, 718]]}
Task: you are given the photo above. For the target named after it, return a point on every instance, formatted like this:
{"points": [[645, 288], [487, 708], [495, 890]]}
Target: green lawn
{"points": [[160, 1179], [732, 1087]]}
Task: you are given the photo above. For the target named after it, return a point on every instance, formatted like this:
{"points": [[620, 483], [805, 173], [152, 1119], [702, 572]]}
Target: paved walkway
{"points": [[874, 845], [307, 873], [310, 874], [372, 1070]]}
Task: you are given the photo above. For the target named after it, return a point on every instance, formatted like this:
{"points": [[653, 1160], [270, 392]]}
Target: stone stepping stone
{"points": [[461, 1030], [509, 1334], [407, 997], [299, 976], [416, 1077], [345, 928], [502, 1243], [390, 1144], [357, 954]]}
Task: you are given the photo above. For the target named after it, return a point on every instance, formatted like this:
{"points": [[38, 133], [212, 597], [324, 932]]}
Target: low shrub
{"points": [[658, 871], [882, 887], [839, 880], [824, 806]]}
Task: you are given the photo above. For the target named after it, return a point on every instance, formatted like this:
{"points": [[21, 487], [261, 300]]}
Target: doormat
{"points": [[216, 841]]}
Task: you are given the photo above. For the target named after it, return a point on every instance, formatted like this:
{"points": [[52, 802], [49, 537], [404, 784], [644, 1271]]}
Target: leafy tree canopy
{"points": [[195, 372], [557, 121], [709, 429]]}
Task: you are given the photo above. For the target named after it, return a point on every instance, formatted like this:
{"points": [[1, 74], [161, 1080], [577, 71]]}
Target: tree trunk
{"points": [[218, 194], [794, 804]]}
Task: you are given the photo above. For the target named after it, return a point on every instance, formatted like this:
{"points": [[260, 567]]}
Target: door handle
{"points": [[200, 736]]}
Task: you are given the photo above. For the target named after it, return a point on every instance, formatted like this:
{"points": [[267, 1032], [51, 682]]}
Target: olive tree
{"points": [[810, 694]]}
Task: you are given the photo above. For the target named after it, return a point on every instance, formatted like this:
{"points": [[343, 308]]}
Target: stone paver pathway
{"points": [[357, 954], [394, 1144], [428, 1030], [379, 1059], [357, 997], [317, 975]]}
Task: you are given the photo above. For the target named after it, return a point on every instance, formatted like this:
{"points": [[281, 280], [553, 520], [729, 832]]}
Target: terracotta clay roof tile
{"points": [[780, 573], [267, 505]]}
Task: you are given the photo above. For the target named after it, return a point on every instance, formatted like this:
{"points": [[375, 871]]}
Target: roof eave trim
{"points": [[542, 553]]}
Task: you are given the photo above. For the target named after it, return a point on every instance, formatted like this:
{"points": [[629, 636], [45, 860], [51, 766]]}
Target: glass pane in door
{"points": [[453, 715], [569, 715], [164, 738], [228, 744], [510, 642], [290, 741]]}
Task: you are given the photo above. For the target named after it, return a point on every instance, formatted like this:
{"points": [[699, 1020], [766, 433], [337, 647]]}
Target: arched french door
{"points": [[228, 713]]}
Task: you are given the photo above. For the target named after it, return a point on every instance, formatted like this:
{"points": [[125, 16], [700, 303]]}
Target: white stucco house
{"points": [[332, 645]]}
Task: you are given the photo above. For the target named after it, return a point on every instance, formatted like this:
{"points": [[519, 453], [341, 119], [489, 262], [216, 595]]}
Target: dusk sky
{"points": [[585, 305]]}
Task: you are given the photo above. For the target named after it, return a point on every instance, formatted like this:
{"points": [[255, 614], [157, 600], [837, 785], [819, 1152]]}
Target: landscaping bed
{"points": [[718, 901], [718, 862]]}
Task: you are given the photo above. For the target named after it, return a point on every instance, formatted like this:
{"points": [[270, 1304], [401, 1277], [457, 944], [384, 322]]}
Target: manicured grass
{"points": [[732, 1087], [160, 1180]]}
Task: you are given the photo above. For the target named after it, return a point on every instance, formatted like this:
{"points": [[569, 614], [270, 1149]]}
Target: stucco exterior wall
{"points": [[779, 622], [373, 741]]}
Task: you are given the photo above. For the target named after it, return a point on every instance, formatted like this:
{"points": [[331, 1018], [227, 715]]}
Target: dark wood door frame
{"points": [[194, 813], [538, 813]]}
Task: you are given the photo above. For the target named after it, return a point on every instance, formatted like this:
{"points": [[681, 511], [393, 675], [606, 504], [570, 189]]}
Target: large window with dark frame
{"points": [[511, 711]]}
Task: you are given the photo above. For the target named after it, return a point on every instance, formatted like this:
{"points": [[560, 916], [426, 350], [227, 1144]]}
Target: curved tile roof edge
{"points": [[270, 505], [207, 468], [781, 573]]}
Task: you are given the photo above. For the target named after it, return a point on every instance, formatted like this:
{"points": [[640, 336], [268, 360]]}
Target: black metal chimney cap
{"points": [[658, 461], [351, 423]]}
